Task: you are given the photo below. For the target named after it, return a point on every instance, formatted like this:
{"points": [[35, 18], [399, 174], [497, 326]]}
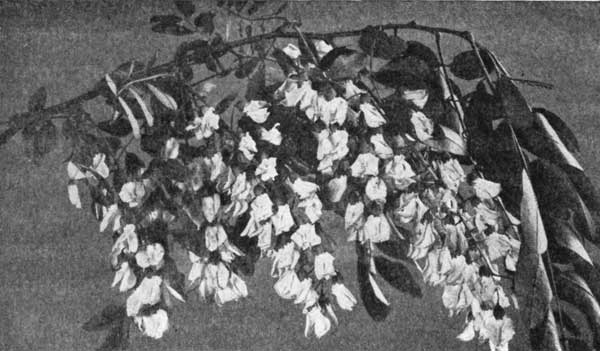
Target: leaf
{"points": [[573, 289], [449, 141], [224, 104], [560, 200], [110, 315], [143, 106], [534, 299], [586, 189], [174, 170], [111, 84], [246, 67], [398, 276], [119, 127], [394, 248], [423, 52], [563, 232], [118, 337], [578, 344], [407, 72], [545, 336], [45, 139], [543, 141], [256, 87], [172, 29], [205, 21], [562, 129], [164, 98], [376, 308], [284, 61], [186, 7], [37, 101], [383, 46], [133, 164], [514, 104], [466, 65], [135, 127], [332, 55]]}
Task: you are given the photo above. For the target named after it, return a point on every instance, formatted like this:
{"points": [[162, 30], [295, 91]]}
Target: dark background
{"points": [[54, 269]]}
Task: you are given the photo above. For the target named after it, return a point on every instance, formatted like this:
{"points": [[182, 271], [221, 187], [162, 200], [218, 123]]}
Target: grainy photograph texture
{"points": [[303, 175]]}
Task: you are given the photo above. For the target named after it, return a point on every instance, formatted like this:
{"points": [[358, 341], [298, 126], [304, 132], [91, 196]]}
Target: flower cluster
{"points": [[243, 193]]}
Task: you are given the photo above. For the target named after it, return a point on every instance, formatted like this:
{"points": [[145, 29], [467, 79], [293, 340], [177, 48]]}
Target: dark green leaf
{"points": [[133, 164], [422, 52], [394, 248], [205, 21], [174, 170], [37, 101], [545, 335], [377, 309], [246, 67], [45, 139], [398, 275], [407, 72], [573, 289], [118, 337], [586, 189], [166, 19], [466, 65], [119, 127], [186, 7], [224, 104], [110, 315], [577, 344], [515, 106], [284, 61], [170, 28], [256, 88], [447, 141], [380, 44], [562, 129], [328, 59]]}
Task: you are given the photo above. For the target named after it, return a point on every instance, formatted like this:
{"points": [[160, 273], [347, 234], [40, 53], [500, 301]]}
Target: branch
{"points": [[21, 120]]}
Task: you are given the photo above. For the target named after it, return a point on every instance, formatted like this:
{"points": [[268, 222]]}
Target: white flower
{"points": [[438, 264], [422, 124], [265, 237], [381, 147], [112, 214], [172, 148], [373, 117], [284, 259], [73, 192], [331, 147], [235, 289], [452, 174], [333, 111], [132, 193], [272, 135], [262, 207], [288, 286], [197, 269], [457, 297], [153, 325], [214, 236], [204, 126], [210, 207], [400, 172], [306, 236], [304, 189], [247, 146], [417, 97], [365, 165], [306, 294], [485, 190], [257, 110], [74, 172], [316, 322], [337, 187], [377, 229], [322, 47], [324, 268], [147, 293], [354, 219], [313, 208], [241, 192], [216, 166], [151, 257], [266, 169], [424, 238], [125, 276], [499, 332], [351, 90], [343, 296], [292, 51], [282, 220], [376, 189], [99, 166], [410, 209], [127, 241]]}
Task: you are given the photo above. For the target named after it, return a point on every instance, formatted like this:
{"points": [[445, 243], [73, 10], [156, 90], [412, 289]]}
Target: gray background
{"points": [[54, 271]]}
